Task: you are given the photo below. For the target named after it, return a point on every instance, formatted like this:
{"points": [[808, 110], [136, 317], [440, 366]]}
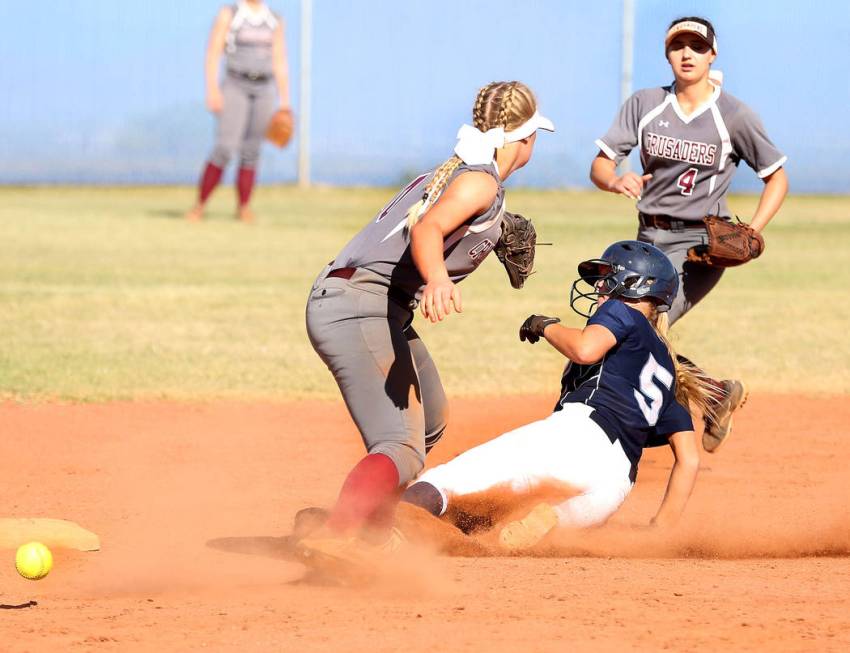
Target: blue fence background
{"points": [[98, 91]]}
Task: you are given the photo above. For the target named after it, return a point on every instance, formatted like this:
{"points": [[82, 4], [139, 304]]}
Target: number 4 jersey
{"points": [[632, 390], [691, 157]]}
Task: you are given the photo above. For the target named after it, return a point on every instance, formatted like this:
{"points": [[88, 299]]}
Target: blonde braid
{"points": [[693, 387], [505, 106], [479, 114], [433, 189]]}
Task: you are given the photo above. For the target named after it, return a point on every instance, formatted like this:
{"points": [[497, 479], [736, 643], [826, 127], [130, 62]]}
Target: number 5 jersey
{"points": [[692, 158], [632, 390]]}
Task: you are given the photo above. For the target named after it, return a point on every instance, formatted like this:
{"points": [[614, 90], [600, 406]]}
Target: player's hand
{"points": [[214, 100], [534, 326], [439, 297], [630, 184]]}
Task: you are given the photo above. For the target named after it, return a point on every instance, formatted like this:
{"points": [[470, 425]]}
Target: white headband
{"points": [[475, 147]]}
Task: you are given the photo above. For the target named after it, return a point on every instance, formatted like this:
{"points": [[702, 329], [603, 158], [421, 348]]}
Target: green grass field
{"points": [[106, 293]]}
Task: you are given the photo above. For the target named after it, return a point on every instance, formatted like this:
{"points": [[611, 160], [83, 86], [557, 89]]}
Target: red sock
{"points": [[209, 180], [381, 521], [245, 184], [371, 485]]}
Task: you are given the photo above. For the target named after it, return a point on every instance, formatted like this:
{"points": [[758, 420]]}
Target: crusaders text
{"points": [[679, 149]]}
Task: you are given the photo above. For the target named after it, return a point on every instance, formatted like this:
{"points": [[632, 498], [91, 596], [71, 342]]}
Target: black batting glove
{"points": [[533, 327]]}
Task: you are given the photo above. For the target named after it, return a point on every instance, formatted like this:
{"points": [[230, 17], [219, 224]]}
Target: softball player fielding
{"points": [[251, 38], [691, 136], [433, 234], [621, 391]]}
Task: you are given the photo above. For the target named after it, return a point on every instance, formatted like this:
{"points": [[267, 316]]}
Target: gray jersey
{"points": [[691, 158], [248, 46], [383, 246]]}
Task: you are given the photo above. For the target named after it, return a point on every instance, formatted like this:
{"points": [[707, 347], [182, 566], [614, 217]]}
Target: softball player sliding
{"points": [[432, 235], [251, 37], [620, 392], [691, 136]]}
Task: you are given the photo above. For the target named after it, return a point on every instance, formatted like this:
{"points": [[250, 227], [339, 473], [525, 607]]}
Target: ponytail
{"points": [[694, 389], [433, 190]]}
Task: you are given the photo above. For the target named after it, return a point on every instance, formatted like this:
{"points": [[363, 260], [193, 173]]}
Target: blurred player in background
{"points": [[255, 85], [432, 235], [691, 136], [622, 390]]}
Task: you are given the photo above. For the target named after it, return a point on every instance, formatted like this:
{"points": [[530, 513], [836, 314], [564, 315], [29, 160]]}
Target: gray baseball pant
{"points": [[246, 111], [385, 374], [695, 280]]}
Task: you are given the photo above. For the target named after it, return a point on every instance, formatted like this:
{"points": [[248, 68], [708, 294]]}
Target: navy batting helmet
{"points": [[629, 269]]}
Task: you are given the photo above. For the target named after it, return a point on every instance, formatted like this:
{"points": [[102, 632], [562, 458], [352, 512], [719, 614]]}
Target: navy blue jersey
{"points": [[632, 390]]}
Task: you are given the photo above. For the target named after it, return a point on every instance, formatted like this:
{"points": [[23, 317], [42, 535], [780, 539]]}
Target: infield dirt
{"points": [[192, 502]]}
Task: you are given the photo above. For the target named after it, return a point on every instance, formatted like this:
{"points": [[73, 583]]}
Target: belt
{"points": [[254, 77], [397, 295], [342, 273], [666, 222]]}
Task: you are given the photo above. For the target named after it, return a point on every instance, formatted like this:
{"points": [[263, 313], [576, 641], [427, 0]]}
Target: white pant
{"points": [[566, 447]]}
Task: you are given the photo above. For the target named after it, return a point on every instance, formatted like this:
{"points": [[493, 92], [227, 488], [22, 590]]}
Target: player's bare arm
{"points": [[772, 195], [215, 48], [682, 479], [583, 346], [280, 65], [603, 173], [467, 196]]}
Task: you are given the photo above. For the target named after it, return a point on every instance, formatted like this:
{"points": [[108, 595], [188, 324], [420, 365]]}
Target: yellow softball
{"points": [[33, 560]]}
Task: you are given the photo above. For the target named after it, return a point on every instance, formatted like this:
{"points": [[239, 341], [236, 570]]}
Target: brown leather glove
{"points": [[281, 127], [515, 248], [729, 244]]}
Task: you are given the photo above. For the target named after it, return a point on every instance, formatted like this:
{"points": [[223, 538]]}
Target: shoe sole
{"points": [[332, 567], [307, 521], [745, 394], [525, 533]]}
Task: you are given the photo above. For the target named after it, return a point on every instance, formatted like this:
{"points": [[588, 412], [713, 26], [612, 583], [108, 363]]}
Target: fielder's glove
{"points": [[533, 327], [281, 127], [515, 248], [729, 244]]}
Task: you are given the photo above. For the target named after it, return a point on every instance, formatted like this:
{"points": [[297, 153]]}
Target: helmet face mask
{"points": [[627, 269], [594, 280]]}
